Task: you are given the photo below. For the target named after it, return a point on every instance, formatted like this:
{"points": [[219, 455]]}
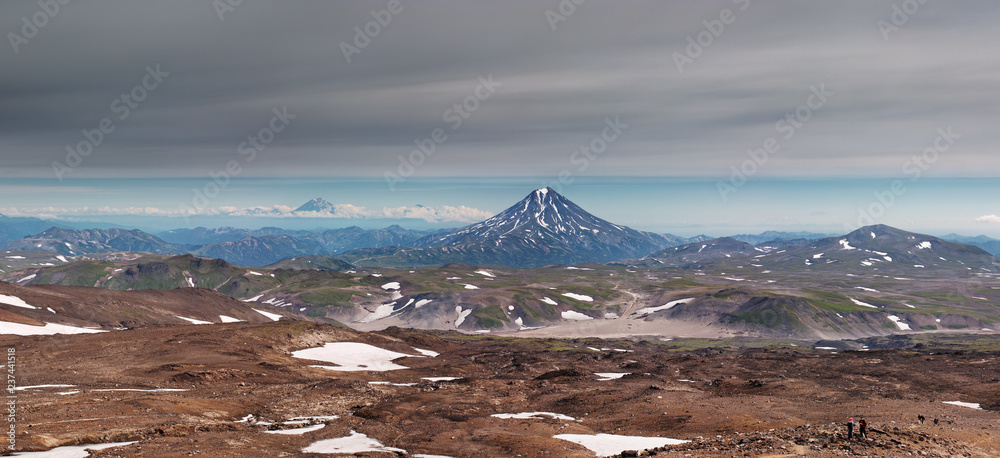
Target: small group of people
{"points": [[862, 428]]}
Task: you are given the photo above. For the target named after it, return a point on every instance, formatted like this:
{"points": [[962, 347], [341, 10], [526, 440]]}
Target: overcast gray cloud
{"points": [[556, 87]]}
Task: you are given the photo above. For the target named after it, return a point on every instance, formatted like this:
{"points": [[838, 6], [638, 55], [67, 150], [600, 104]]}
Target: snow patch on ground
{"points": [[72, 451], [866, 289], [462, 315], [924, 246], [423, 302], [228, 319], [574, 315], [899, 324], [391, 286], [667, 306], [47, 330], [380, 312], [846, 245], [471, 287], [272, 316], [392, 384], [963, 404], [35, 387], [440, 379], [355, 443], [533, 415], [549, 301], [605, 376], [579, 297], [255, 273], [353, 356], [307, 429], [16, 302], [611, 444], [143, 390], [192, 320], [863, 304], [485, 273]]}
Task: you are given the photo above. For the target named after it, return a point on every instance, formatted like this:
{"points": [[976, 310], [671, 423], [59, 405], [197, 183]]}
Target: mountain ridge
{"points": [[543, 228], [865, 249]]}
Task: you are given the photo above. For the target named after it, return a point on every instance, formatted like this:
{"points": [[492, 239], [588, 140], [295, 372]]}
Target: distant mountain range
{"points": [[75, 242], [15, 228], [768, 236], [208, 236], [871, 248], [246, 247], [988, 244], [543, 228]]}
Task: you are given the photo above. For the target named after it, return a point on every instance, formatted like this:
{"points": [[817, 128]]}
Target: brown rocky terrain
{"points": [[779, 400]]}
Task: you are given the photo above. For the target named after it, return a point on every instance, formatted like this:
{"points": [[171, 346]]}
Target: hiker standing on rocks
{"points": [[863, 428], [850, 428]]}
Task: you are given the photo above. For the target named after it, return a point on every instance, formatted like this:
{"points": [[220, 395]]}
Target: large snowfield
{"points": [[354, 356]]}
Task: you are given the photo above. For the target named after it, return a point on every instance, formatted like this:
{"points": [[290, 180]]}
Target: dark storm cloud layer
{"points": [[556, 87]]}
